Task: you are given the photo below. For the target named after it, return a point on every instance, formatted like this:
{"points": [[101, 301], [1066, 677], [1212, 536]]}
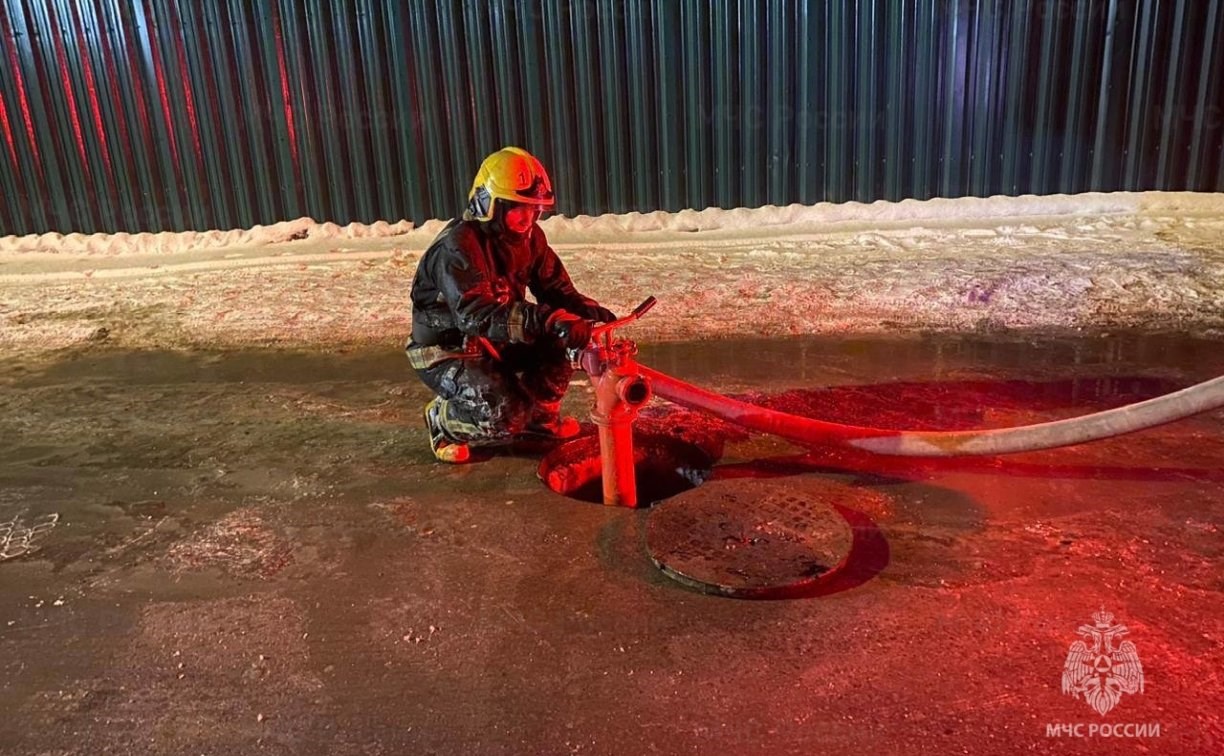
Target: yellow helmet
{"points": [[512, 174]]}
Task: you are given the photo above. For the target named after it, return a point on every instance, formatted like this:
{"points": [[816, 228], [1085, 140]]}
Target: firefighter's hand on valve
{"points": [[572, 331], [599, 313]]}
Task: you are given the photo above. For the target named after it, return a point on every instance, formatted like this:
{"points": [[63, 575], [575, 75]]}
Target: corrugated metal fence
{"points": [[156, 114]]}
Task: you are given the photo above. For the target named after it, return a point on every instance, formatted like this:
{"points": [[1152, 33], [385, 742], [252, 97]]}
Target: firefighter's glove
{"points": [[572, 331], [599, 313]]}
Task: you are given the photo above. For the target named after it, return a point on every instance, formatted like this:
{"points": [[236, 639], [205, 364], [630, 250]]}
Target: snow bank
{"points": [[582, 228], [827, 213], [1147, 260], [185, 241]]}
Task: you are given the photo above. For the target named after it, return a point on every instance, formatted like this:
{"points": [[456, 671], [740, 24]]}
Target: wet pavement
{"points": [[253, 552]]}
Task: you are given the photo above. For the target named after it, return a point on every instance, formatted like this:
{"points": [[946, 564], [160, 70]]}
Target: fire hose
{"points": [[1201, 397], [622, 387]]}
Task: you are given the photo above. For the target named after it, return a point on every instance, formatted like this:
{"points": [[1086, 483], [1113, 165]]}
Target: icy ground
{"points": [[1152, 260]]}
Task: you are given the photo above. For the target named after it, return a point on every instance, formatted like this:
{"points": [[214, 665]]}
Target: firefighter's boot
{"points": [[444, 449]]}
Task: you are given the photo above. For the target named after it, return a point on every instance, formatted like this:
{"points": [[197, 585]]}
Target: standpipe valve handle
{"points": [[638, 312]]}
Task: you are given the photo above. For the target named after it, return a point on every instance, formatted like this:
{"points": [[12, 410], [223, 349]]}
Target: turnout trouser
{"points": [[488, 401]]}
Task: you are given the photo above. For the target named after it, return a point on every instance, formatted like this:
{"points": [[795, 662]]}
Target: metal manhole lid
{"points": [[751, 538]]}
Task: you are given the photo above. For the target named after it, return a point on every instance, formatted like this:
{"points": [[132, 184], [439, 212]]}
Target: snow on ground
{"points": [[1151, 259]]}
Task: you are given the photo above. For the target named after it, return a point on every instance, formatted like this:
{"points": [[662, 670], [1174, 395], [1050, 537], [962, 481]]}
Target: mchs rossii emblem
{"points": [[1099, 667]]}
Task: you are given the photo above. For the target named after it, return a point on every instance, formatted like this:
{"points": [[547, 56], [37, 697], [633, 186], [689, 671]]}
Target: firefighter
{"points": [[496, 361]]}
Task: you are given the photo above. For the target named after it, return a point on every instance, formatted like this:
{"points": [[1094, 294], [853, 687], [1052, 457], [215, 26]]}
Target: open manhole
{"points": [[665, 466], [751, 538]]}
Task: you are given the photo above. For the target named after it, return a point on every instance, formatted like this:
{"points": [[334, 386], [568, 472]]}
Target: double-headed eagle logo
{"points": [[1098, 670]]}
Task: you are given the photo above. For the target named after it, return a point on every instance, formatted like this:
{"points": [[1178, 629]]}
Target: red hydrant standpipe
{"points": [[620, 391]]}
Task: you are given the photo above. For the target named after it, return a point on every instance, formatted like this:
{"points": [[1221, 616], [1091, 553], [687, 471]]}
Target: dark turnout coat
{"points": [[473, 282]]}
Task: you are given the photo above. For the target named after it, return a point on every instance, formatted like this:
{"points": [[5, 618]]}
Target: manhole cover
{"points": [[751, 538]]}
